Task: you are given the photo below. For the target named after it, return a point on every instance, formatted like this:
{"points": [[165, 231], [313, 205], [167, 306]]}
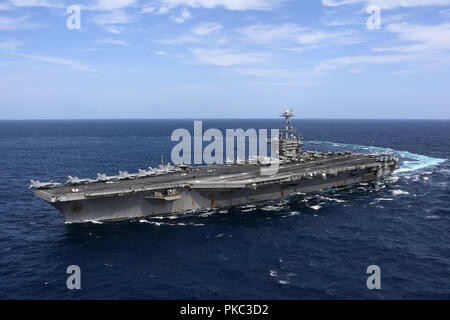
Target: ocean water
{"points": [[307, 246]]}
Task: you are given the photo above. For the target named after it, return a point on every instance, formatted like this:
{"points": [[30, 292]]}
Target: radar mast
{"points": [[290, 143], [287, 115]]}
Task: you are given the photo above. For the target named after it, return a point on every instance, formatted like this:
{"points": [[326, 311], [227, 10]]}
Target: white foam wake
{"points": [[408, 161]]}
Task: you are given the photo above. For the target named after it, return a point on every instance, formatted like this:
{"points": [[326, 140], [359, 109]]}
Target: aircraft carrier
{"points": [[180, 189]]}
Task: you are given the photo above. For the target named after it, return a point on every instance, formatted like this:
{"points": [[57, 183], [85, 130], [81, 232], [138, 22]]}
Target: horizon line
{"points": [[245, 118]]}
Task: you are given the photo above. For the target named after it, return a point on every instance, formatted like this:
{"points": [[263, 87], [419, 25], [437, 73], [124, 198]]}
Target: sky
{"points": [[203, 59]]}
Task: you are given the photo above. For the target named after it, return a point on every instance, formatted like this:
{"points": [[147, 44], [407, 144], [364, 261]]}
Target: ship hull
{"points": [[140, 204]]}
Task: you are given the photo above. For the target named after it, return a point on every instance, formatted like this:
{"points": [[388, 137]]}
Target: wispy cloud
{"points": [[290, 32], [271, 33], [269, 72], [388, 4], [235, 5], [160, 53], [420, 37], [225, 58], [37, 3], [115, 17], [362, 61], [18, 23], [422, 44], [110, 20], [10, 45], [109, 5], [179, 40], [185, 15], [148, 8], [206, 28], [6, 6], [114, 29], [65, 62], [114, 41]]}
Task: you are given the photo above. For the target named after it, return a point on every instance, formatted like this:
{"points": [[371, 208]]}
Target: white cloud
{"points": [[289, 32], [445, 12], [270, 33], [10, 45], [388, 4], [114, 17], [423, 38], [269, 72], [6, 6], [148, 9], [160, 53], [336, 3], [113, 29], [424, 45], [12, 23], [65, 62], [37, 3], [224, 58], [113, 41], [110, 5], [185, 15], [235, 5], [206, 28], [179, 40], [362, 61]]}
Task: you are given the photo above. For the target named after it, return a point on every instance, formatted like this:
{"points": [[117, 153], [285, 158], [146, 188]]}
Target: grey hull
{"points": [[140, 204]]}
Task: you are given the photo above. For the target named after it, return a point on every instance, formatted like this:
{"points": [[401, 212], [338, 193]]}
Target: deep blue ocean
{"points": [[313, 246]]}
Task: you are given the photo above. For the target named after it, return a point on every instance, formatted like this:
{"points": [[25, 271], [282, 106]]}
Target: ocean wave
{"points": [[432, 217], [332, 199], [408, 161], [272, 208], [151, 222], [94, 221], [377, 200], [399, 192], [171, 224]]}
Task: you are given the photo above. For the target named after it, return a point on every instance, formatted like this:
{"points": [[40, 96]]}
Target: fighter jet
{"points": [[182, 166], [39, 185], [125, 175], [169, 167], [104, 177], [162, 170], [76, 180], [146, 173], [253, 159], [265, 160], [165, 168]]}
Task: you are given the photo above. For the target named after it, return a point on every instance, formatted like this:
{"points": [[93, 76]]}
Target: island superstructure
{"points": [[179, 189]]}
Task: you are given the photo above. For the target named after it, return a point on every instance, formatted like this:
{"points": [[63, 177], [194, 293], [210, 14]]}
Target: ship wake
{"points": [[408, 161]]}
